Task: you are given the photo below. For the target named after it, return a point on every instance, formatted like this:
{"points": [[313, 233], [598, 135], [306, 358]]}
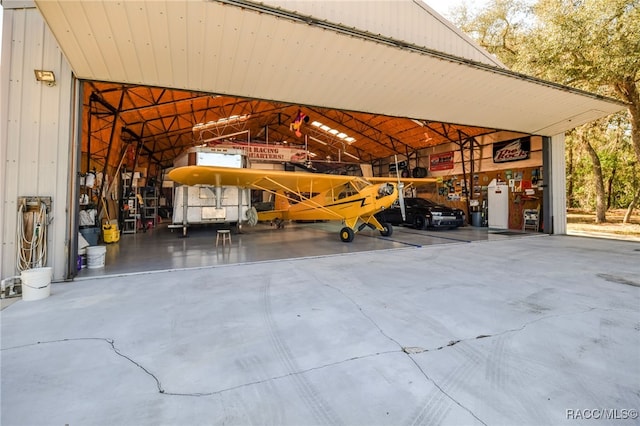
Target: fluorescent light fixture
{"points": [[45, 76], [350, 155], [220, 122], [419, 123], [317, 140], [312, 154], [333, 132]]}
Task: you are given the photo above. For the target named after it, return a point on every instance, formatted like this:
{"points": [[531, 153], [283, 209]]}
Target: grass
{"points": [[584, 223]]}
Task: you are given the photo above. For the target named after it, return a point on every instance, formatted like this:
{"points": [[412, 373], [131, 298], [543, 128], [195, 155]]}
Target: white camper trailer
{"points": [[210, 204]]}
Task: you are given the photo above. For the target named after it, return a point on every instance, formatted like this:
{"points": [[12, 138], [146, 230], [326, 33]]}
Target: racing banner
{"points": [[442, 161], [264, 152]]}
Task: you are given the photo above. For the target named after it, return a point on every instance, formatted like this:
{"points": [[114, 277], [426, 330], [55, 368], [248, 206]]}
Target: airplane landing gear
{"points": [[278, 223], [346, 234], [387, 230]]}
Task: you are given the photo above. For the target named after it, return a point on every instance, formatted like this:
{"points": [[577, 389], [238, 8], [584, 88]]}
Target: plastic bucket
{"points": [[110, 234], [95, 256], [36, 283]]}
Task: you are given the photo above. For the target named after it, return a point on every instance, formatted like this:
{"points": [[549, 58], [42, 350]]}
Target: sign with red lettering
{"points": [[272, 153], [513, 150], [442, 161]]}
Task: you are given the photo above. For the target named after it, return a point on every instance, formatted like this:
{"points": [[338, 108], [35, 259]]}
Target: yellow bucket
{"points": [[110, 233]]}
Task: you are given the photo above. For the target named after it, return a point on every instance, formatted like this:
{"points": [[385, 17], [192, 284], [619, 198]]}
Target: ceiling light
{"points": [[334, 132], [220, 122], [351, 155], [317, 140]]}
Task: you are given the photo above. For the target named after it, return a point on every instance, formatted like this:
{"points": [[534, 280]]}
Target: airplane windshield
{"points": [[359, 184]]}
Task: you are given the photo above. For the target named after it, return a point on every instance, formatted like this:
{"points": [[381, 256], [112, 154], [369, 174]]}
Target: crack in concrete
{"points": [[404, 349], [413, 350], [159, 386], [110, 342]]}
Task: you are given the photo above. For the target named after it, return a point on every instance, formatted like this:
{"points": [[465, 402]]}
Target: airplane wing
{"points": [[406, 181], [271, 180]]}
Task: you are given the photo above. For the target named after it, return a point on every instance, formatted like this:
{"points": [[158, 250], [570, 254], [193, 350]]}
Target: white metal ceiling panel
{"points": [[259, 52], [410, 21]]}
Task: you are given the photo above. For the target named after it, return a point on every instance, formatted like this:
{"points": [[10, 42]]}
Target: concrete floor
{"points": [[500, 331], [162, 249]]}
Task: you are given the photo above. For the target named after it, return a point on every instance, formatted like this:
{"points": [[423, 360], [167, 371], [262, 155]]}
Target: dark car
{"points": [[421, 214]]}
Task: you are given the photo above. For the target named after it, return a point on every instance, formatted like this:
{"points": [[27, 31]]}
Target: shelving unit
{"points": [[150, 207], [130, 215]]}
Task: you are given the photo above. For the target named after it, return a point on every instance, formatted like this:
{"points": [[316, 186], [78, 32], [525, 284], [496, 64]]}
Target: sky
{"points": [[444, 6]]}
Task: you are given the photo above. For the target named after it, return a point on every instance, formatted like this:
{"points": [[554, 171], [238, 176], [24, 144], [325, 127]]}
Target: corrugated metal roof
{"points": [[253, 50]]}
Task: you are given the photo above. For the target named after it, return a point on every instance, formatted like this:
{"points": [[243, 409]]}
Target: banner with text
{"points": [[263, 152], [442, 161], [512, 150]]}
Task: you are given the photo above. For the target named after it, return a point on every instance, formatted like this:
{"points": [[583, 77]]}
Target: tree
{"points": [[593, 45], [589, 44]]}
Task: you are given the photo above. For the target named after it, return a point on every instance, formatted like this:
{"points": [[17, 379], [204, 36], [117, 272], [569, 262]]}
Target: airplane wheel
{"points": [[346, 234], [387, 231]]}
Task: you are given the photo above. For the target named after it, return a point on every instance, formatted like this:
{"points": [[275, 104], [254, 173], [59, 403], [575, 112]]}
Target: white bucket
{"points": [[95, 256], [36, 283]]}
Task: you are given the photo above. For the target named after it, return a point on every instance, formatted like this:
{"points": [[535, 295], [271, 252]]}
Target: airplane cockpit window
{"points": [[347, 190], [359, 184]]}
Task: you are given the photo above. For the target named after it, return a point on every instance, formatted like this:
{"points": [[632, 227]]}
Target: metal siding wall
{"points": [[558, 184], [38, 134]]}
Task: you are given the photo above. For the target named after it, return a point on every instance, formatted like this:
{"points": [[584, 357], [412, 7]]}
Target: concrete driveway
{"points": [[539, 330]]}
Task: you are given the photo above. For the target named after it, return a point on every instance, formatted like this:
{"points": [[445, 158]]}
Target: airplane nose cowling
{"points": [[385, 189]]}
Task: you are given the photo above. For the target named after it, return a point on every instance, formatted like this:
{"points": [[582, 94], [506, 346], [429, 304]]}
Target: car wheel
{"points": [[419, 222], [387, 230], [346, 234]]}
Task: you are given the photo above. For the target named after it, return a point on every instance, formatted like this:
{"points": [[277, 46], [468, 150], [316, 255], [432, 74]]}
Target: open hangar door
{"points": [[426, 70], [132, 135]]}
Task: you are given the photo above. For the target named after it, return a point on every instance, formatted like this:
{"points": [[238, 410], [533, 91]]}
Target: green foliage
{"points": [[593, 45], [611, 139], [590, 44]]}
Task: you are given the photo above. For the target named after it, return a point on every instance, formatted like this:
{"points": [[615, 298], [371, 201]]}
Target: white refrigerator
{"points": [[498, 205]]}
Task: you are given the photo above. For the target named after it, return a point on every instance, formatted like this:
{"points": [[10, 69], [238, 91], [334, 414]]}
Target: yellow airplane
{"points": [[308, 196]]}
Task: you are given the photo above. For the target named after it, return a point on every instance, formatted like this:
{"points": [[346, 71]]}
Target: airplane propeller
{"points": [[400, 192]]}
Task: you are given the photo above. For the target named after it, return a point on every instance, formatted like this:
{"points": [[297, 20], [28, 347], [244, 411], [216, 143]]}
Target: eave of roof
{"points": [[253, 50]]}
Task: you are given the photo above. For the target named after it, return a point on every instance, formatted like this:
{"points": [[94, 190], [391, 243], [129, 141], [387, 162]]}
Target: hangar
{"points": [[105, 85]]}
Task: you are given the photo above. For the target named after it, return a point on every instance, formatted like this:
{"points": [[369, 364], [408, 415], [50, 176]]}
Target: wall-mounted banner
{"points": [[263, 152], [442, 161], [512, 150]]}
